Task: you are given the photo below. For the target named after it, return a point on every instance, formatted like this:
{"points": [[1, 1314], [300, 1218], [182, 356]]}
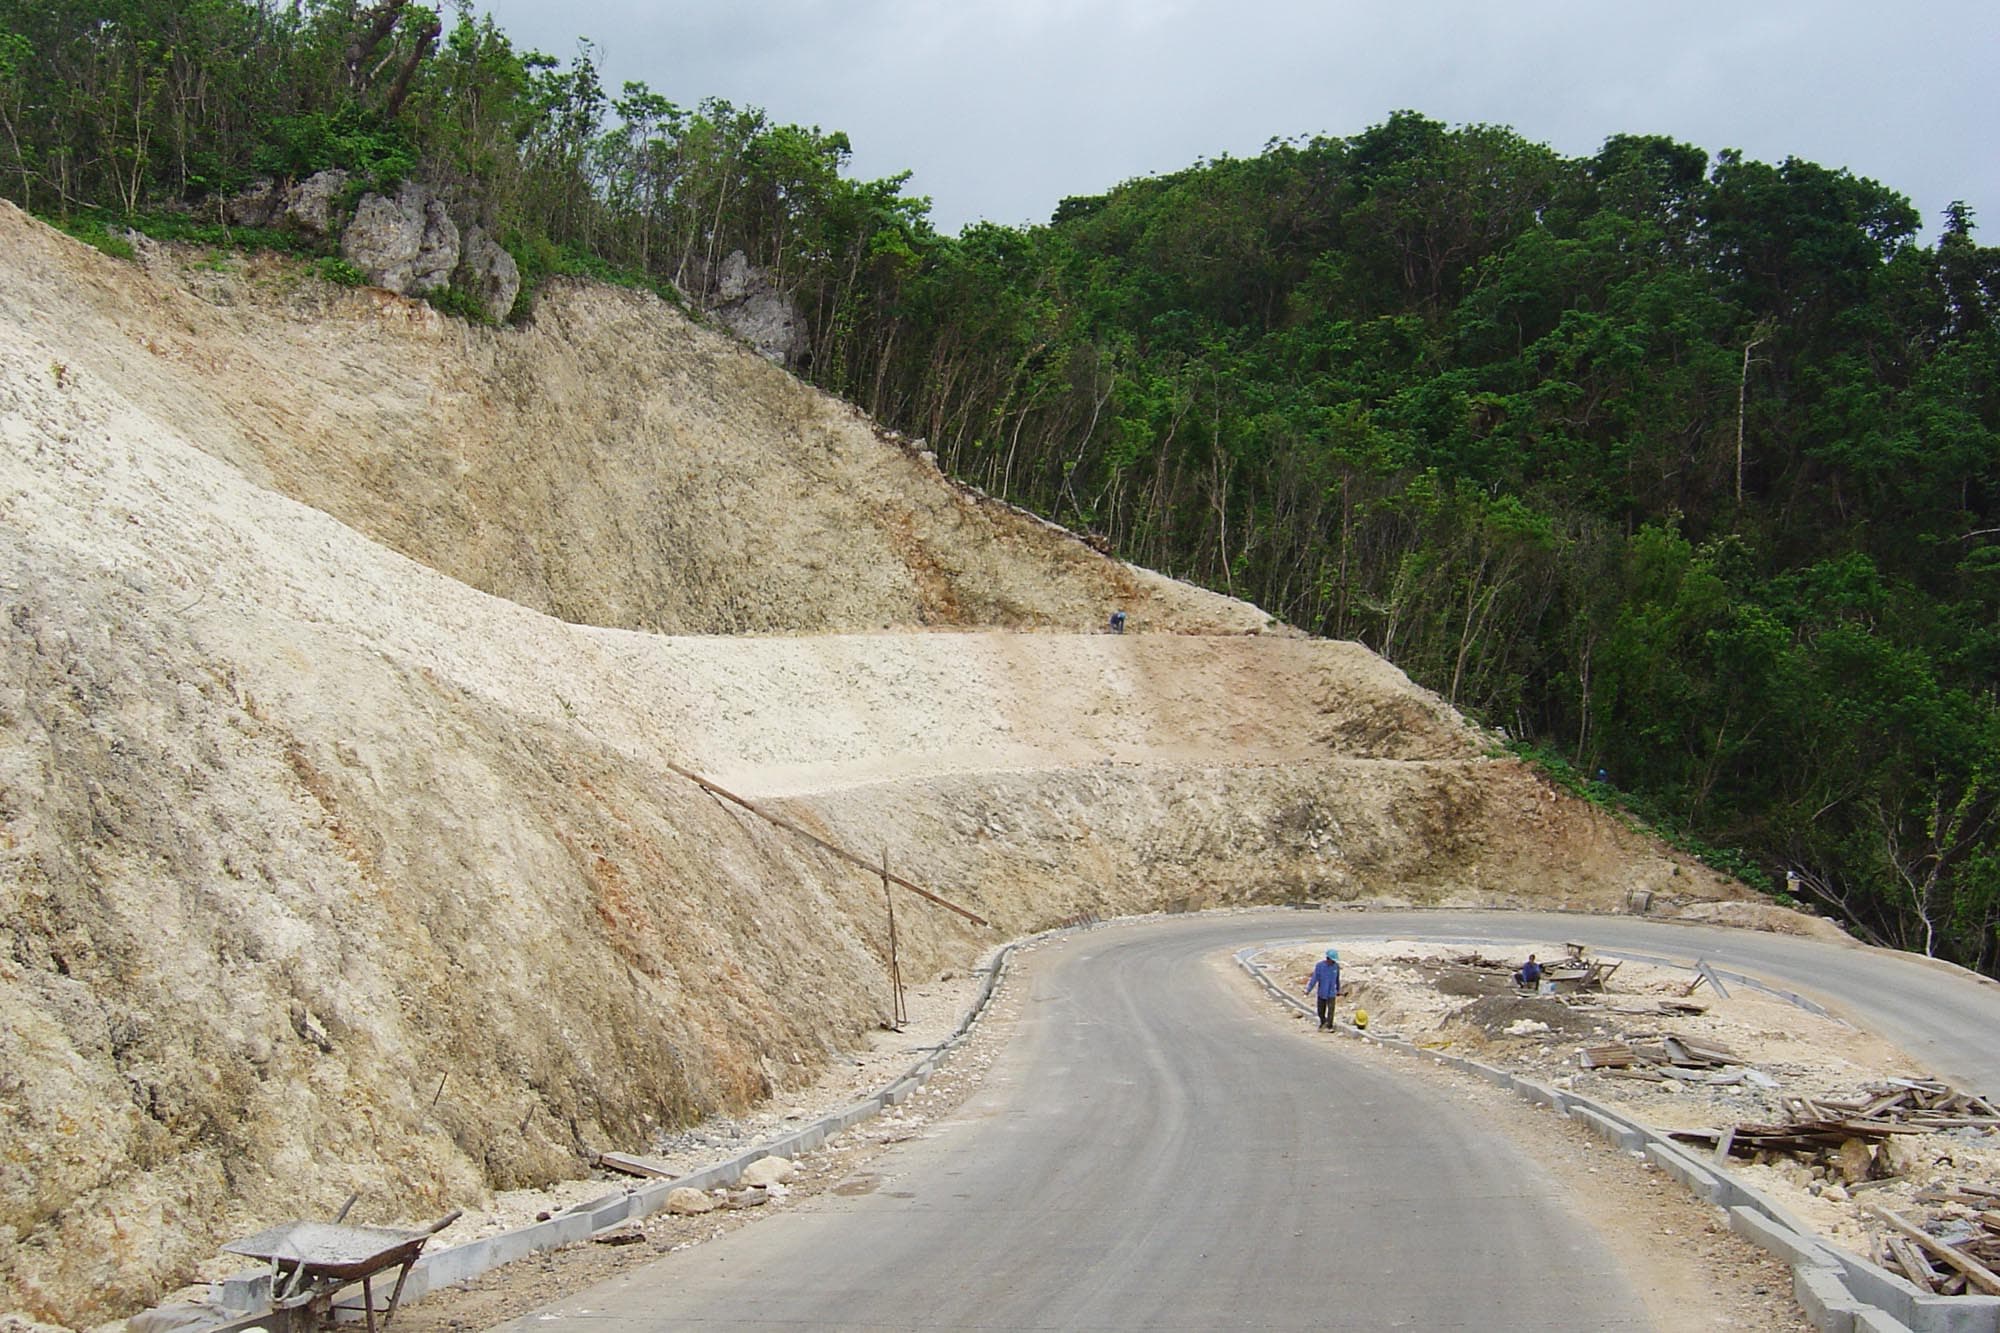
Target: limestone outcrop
{"points": [[747, 303], [407, 242]]}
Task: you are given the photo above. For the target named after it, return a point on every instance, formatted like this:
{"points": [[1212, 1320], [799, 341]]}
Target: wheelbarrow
{"points": [[312, 1261]]}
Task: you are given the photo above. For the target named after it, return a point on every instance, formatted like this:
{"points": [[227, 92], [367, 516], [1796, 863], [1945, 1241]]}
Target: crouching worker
{"points": [[1529, 974], [1325, 979]]}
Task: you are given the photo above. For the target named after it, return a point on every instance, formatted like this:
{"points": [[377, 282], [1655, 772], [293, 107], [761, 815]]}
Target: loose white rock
{"points": [[767, 1171]]}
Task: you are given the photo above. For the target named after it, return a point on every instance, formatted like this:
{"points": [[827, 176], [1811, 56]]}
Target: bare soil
{"points": [[346, 656]]}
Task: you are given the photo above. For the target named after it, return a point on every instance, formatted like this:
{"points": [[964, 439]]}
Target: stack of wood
{"points": [[1642, 1055], [1968, 1262], [1816, 1124], [1920, 1103], [1798, 1136]]}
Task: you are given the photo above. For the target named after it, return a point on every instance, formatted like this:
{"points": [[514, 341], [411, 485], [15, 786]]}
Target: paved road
{"points": [[1151, 1151], [1113, 1173]]}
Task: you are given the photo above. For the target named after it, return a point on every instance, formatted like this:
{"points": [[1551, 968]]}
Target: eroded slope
{"points": [[322, 869]]}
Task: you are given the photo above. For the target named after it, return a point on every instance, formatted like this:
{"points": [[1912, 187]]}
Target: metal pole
{"points": [[899, 1010]]}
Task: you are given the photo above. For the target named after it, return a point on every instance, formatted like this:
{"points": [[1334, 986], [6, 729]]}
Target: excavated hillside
{"points": [[347, 650]]}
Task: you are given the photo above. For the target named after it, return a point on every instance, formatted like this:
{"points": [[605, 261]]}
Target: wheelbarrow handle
{"points": [[444, 1221]]}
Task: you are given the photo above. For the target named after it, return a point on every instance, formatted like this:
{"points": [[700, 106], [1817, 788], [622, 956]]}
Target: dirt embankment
{"points": [[338, 846]]}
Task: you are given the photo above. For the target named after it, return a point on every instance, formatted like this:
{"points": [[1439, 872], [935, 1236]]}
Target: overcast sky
{"points": [[1003, 107]]}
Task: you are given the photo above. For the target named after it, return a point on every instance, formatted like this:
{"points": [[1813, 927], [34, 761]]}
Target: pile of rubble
{"points": [[1657, 1056], [1822, 1123], [1964, 1236]]}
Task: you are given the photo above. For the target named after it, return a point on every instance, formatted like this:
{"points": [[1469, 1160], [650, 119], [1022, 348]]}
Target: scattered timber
{"points": [[1669, 1049]]}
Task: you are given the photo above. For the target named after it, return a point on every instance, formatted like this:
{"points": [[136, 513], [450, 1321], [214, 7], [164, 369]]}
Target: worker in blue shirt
{"points": [[1528, 973], [1326, 980]]}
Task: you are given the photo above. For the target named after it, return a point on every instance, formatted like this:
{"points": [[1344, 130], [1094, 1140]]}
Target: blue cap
{"points": [[1333, 955]]}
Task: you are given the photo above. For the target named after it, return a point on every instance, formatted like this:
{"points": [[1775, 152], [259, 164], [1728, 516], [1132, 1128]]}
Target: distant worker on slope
{"points": [[1326, 980], [1528, 973], [1117, 622]]}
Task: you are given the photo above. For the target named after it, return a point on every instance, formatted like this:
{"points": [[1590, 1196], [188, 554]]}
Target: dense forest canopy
{"points": [[1685, 472]]}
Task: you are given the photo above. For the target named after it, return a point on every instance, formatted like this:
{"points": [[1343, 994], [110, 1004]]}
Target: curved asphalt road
{"points": [[1151, 1151]]}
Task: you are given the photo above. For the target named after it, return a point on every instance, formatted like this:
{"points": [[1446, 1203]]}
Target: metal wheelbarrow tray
{"points": [[314, 1260]]}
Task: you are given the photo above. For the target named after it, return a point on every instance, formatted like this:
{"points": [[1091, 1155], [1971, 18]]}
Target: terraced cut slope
{"points": [[346, 648]]}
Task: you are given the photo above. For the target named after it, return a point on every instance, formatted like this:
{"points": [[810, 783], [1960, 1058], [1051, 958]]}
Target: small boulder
{"points": [[1853, 1161], [743, 298], [767, 1171], [408, 244], [683, 1201], [488, 273], [313, 204], [1898, 1156]]}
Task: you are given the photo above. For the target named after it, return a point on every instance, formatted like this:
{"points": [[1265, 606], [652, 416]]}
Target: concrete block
{"points": [[615, 1213], [1729, 1192], [1825, 1301], [1787, 1244], [652, 1196], [1867, 1320], [508, 1246], [802, 1142], [1622, 1136], [1699, 1179], [1497, 1077], [1953, 1314], [440, 1268], [857, 1113], [1542, 1094], [1876, 1287], [241, 1293]]}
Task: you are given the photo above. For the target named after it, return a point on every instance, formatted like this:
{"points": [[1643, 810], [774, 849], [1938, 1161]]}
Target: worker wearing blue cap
{"points": [[1326, 980]]}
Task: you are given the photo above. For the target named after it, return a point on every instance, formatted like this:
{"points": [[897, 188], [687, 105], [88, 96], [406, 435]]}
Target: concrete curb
{"points": [[245, 1296], [1840, 1292]]}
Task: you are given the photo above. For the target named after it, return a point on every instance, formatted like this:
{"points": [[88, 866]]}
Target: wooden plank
{"points": [[1708, 974], [1722, 1148], [630, 1165], [1610, 1055], [1912, 1262], [1975, 1272]]}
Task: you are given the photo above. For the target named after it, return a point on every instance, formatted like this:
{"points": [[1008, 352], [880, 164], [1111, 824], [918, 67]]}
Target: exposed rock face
{"points": [[312, 205], [408, 244], [748, 304], [317, 784], [488, 273]]}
